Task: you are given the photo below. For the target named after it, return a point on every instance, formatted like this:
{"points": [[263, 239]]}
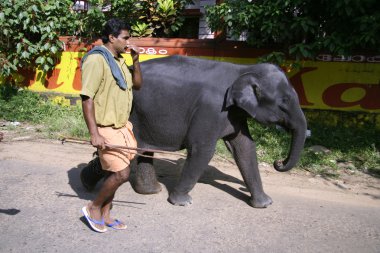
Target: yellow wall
{"points": [[351, 84]]}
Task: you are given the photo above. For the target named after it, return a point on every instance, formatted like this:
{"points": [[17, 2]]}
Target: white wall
{"points": [[204, 30]]}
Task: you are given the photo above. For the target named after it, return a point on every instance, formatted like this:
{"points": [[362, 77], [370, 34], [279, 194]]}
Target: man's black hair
{"points": [[113, 26]]}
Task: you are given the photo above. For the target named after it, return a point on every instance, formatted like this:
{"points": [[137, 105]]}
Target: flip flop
{"points": [[115, 225], [92, 222]]}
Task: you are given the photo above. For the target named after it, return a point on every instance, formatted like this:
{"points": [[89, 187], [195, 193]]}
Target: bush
{"points": [[29, 33], [30, 29], [301, 29]]}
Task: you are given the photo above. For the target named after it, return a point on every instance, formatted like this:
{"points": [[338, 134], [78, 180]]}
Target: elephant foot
{"points": [[262, 201], [91, 174], [178, 199], [146, 181]]}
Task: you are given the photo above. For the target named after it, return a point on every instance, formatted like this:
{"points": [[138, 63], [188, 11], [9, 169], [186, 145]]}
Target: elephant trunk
{"points": [[298, 140]]}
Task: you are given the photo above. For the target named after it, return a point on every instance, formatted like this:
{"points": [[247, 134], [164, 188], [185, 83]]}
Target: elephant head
{"points": [[265, 93]]}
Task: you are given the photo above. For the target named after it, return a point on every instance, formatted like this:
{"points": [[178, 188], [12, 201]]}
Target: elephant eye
{"points": [[257, 91], [284, 104], [285, 100]]}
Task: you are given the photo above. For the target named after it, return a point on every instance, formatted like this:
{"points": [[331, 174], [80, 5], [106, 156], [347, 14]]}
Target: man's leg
{"points": [[103, 201], [106, 209]]}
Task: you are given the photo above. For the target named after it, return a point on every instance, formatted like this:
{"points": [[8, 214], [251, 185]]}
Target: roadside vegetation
{"points": [[30, 30], [51, 119], [300, 29], [328, 151]]}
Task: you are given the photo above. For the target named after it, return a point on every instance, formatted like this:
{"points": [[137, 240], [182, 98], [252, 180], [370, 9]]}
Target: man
{"points": [[107, 100]]}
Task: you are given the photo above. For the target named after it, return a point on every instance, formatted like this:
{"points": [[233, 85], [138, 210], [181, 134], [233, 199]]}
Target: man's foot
{"points": [[116, 224], [94, 218]]}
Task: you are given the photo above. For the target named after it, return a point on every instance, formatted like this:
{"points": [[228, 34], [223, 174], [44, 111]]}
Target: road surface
{"points": [[41, 198]]}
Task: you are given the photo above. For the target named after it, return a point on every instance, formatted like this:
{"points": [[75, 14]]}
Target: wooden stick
{"points": [[139, 154], [115, 147], [73, 140]]}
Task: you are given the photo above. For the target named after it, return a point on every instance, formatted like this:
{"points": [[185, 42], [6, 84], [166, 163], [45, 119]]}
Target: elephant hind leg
{"points": [[92, 174], [145, 178]]}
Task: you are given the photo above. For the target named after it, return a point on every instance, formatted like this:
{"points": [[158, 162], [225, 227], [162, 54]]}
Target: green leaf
{"points": [[34, 8], [18, 47], [40, 60], [50, 60], [54, 49], [25, 54]]}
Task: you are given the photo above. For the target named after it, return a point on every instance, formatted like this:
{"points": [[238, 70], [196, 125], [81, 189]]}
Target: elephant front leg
{"points": [[195, 165], [244, 151], [145, 178]]}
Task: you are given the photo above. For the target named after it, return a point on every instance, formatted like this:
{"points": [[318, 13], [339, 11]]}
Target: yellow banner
{"points": [[351, 84]]}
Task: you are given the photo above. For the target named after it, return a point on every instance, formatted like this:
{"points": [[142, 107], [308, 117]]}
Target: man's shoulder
{"points": [[95, 57], [94, 61]]}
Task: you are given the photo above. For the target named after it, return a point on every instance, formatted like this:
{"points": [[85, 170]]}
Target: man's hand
{"points": [[136, 74], [98, 141], [135, 52]]}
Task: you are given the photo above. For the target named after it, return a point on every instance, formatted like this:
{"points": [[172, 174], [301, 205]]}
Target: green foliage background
{"points": [[301, 28], [30, 29], [29, 33]]}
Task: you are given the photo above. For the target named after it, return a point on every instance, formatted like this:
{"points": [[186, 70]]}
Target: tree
{"points": [[30, 29], [301, 28], [148, 18], [29, 33]]}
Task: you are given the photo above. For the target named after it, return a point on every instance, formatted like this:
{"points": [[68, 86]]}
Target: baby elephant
{"points": [[189, 103]]}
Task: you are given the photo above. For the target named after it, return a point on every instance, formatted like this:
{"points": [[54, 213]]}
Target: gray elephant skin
{"points": [[191, 103]]}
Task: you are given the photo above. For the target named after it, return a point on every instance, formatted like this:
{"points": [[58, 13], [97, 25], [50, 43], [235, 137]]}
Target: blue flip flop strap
{"points": [[115, 223], [96, 221]]}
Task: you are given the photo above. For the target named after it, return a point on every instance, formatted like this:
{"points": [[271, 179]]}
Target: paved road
{"points": [[41, 198]]}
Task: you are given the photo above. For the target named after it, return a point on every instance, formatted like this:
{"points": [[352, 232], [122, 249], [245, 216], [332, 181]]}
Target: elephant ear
{"points": [[244, 93]]}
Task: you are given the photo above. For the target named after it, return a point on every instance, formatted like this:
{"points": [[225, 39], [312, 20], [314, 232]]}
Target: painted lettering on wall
{"points": [[370, 100]]}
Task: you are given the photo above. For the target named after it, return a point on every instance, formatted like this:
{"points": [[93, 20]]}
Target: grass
{"points": [[344, 148], [53, 120]]}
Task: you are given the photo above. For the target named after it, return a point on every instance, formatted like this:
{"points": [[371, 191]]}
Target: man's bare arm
{"points": [[136, 74], [89, 116]]}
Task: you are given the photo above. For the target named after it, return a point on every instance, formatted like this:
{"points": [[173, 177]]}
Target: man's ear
{"points": [[111, 38]]}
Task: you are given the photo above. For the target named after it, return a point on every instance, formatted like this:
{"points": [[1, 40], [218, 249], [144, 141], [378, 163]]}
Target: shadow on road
{"points": [[74, 181], [10, 211], [82, 193], [168, 174]]}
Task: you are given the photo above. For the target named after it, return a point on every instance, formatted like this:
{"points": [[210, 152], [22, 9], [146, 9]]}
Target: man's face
{"points": [[121, 42]]}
